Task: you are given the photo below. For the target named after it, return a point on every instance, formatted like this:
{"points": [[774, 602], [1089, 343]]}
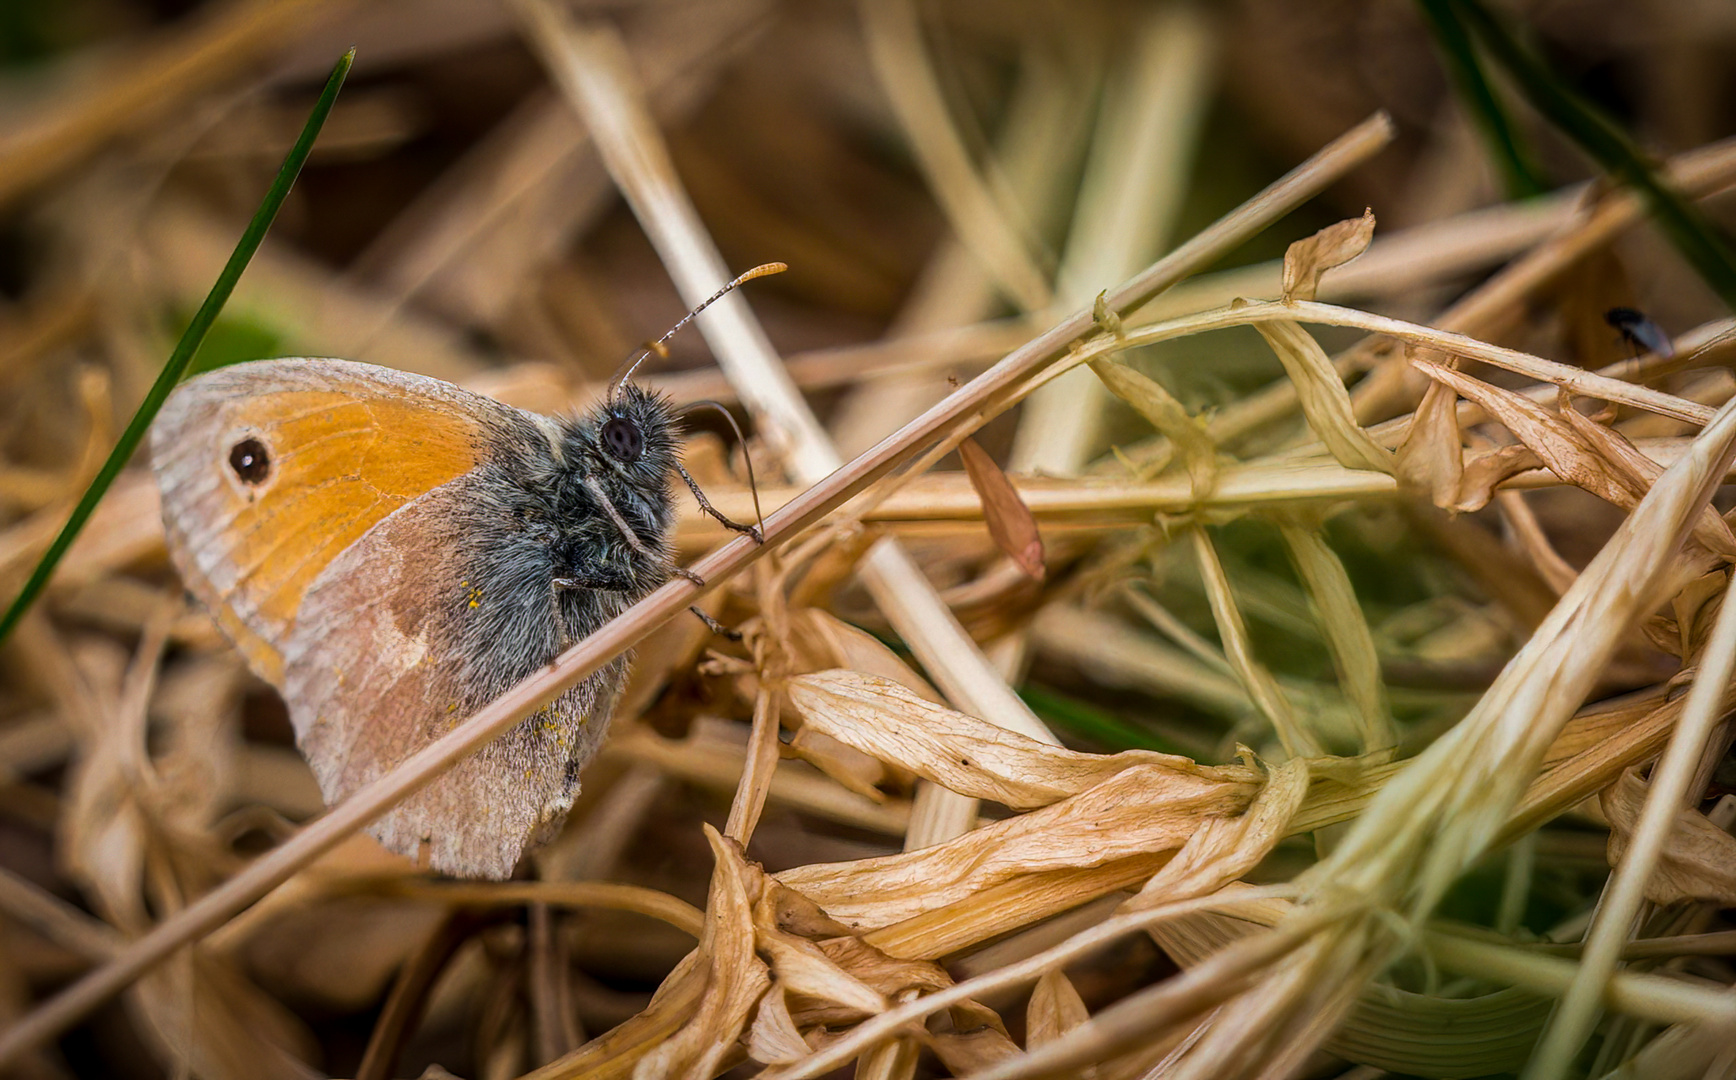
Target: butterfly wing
{"points": [[345, 525], [429, 635], [343, 446]]}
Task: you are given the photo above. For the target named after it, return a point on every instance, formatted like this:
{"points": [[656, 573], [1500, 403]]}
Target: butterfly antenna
{"points": [[752, 484], [660, 345]]}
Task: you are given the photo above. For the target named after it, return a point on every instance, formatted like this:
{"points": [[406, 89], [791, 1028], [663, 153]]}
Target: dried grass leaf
{"points": [[1486, 472], [1699, 859], [1324, 400], [1347, 633], [1010, 522], [616, 1054], [1225, 848], [802, 967], [1448, 806], [1257, 682], [977, 1041], [1306, 260], [1711, 530], [847, 765], [886, 974], [1141, 810], [823, 641], [774, 1038], [1186, 433], [736, 978], [1579, 451], [964, 754]]}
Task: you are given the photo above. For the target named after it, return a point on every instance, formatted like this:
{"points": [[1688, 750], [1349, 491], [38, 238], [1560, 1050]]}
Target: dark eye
{"points": [[251, 461], [622, 439]]}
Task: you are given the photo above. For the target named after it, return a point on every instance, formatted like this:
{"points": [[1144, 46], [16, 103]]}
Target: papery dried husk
{"points": [[1009, 520], [774, 1038], [703, 1006], [1431, 457], [1225, 848], [1486, 472], [802, 967], [737, 977]]}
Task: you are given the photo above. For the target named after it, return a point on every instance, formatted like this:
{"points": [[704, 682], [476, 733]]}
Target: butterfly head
{"points": [[633, 437]]}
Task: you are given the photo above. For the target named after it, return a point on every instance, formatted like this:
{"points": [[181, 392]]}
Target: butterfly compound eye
{"points": [[622, 439], [251, 461]]}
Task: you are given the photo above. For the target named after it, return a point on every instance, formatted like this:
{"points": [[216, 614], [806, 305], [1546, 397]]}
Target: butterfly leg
{"points": [[705, 506], [716, 627]]}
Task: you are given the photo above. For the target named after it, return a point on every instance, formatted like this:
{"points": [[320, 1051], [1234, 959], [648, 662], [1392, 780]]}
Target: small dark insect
{"points": [[1639, 331]]}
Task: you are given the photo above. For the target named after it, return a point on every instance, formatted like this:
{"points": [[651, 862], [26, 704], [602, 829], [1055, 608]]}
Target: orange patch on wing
{"points": [[347, 449]]}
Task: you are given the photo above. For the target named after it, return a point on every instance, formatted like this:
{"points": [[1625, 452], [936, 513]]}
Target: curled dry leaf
{"points": [[825, 974], [1306, 260], [851, 768], [802, 967], [1225, 848], [965, 754], [1488, 471], [702, 1007], [738, 976], [1010, 522], [1693, 610], [819, 640], [1431, 458], [1324, 400], [1699, 858], [1187, 433], [1578, 450], [888, 975], [1140, 811]]}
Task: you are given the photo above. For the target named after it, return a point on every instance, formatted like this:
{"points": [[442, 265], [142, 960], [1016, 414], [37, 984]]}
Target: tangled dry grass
{"points": [[1121, 693]]}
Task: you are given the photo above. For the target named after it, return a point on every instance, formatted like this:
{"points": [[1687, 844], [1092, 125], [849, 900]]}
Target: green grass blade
{"points": [[1707, 249], [1095, 724], [182, 357], [1514, 158]]}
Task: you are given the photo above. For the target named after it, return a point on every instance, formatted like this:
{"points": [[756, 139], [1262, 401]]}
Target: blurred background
{"points": [[940, 176]]}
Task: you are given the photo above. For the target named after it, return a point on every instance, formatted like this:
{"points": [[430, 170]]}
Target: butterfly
{"points": [[392, 552]]}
